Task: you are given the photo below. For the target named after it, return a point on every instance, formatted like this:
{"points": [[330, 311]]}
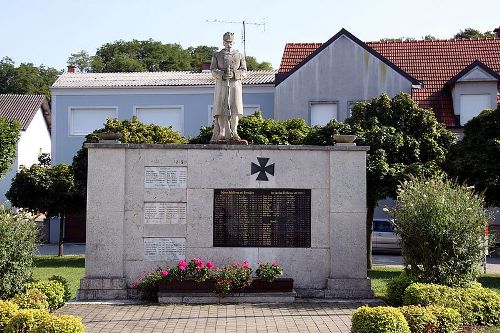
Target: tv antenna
{"points": [[244, 24]]}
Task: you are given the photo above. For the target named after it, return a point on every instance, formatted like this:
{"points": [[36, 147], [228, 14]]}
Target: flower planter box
{"points": [[208, 286]]}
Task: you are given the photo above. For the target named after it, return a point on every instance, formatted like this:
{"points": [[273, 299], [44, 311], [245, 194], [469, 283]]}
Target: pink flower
{"points": [[245, 264], [134, 285], [182, 265], [164, 273], [275, 264], [209, 264]]}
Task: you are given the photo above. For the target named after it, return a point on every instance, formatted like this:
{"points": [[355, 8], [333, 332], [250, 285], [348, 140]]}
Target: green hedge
{"points": [[476, 305], [449, 320], [420, 320], [60, 324], [25, 321], [396, 288], [381, 319], [31, 299], [54, 291], [7, 310], [65, 284]]}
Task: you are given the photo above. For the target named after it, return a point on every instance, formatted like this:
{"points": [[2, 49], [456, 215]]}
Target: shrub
{"points": [[31, 299], [448, 320], [17, 245], [7, 310], [396, 288], [194, 270], [427, 294], [233, 277], [65, 284], [54, 291], [420, 319], [26, 321], [60, 324], [483, 304], [381, 319], [269, 271], [441, 225]]}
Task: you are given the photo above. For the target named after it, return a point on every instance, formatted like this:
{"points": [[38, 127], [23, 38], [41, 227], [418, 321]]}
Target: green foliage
{"points": [[201, 54], [194, 270], [9, 134], [26, 79], [473, 33], [441, 225], [54, 291], [60, 324], [420, 320], [396, 288], [7, 310], [233, 277], [381, 319], [31, 299], [448, 320], [254, 65], [323, 135], [259, 131], [403, 138], [26, 321], [44, 189], [470, 160], [269, 271], [64, 282], [81, 60], [17, 244]]}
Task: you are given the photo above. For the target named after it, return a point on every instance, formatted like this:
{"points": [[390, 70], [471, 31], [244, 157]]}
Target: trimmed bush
{"points": [[31, 299], [54, 291], [60, 324], [25, 321], [449, 320], [484, 305], [17, 245], [381, 319], [420, 319], [65, 283], [7, 310], [396, 288], [441, 225], [424, 294]]}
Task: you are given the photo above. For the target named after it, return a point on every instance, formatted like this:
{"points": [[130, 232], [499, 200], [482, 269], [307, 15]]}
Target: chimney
{"points": [[497, 32], [205, 67], [71, 69]]}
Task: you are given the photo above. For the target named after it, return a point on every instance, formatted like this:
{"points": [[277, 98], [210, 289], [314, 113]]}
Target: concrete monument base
{"points": [[349, 288]]}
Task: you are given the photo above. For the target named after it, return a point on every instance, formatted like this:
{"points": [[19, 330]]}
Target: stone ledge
{"points": [[349, 288], [98, 283], [101, 294], [211, 298], [226, 147]]}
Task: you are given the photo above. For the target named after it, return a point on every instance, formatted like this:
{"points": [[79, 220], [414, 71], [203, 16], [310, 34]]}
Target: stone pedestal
{"points": [[102, 288]]}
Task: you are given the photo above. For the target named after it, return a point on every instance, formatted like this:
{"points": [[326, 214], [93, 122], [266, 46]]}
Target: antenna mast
{"points": [[243, 23]]}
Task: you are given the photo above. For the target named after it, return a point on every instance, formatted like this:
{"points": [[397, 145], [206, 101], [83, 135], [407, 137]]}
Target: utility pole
{"points": [[244, 23]]}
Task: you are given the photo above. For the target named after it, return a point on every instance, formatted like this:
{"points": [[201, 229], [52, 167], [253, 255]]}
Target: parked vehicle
{"points": [[384, 239]]}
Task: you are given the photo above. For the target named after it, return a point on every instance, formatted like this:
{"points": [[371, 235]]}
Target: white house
{"points": [[33, 113]]}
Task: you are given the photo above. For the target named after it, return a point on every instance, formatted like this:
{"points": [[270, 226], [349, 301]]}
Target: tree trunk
{"points": [[61, 234], [369, 227]]}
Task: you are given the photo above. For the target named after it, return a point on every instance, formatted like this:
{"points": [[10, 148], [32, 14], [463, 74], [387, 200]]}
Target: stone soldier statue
{"points": [[228, 68]]}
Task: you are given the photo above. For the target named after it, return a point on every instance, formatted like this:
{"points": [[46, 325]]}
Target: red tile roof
{"points": [[22, 108], [432, 62]]}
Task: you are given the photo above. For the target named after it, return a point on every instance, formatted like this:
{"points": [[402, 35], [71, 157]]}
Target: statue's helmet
{"points": [[228, 37]]}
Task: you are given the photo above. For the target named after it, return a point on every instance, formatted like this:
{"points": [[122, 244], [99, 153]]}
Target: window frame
{"points": [[166, 107], [71, 109], [311, 103]]}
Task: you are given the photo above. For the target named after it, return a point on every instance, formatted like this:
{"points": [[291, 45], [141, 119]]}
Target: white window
{"points": [[247, 110], [84, 120], [172, 115], [472, 105], [322, 113]]}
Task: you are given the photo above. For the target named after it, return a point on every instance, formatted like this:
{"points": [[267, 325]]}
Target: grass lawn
{"points": [[70, 267]]}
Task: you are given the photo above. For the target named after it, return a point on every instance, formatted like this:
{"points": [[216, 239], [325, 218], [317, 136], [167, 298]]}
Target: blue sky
{"points": [[47, 32]]}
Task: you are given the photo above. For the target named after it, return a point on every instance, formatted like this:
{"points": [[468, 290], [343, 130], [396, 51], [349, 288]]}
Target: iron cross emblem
{"points": [[262, 169]]}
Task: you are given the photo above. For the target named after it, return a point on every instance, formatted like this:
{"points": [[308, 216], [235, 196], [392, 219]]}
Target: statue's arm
{"points": [[216, 72], [241, 72]]}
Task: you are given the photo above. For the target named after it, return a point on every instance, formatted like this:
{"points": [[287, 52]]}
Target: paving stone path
{"points": [[296, 317]]}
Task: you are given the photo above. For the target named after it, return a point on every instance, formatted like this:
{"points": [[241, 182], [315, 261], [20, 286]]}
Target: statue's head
{"points": [[228, 39]]}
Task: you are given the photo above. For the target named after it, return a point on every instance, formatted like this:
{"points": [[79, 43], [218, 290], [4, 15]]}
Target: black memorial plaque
{"points": [[262, 218]]}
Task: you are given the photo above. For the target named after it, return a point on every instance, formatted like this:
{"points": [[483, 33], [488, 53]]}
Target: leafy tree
{"points": [[404, 140], [200, 55], [9, 134], [133, 131], [473, 160], [397, 39], [81, 60], [323, 135], [253, 64], [429, 37], [257, 130], [441, 225], [26, 78], [473, 33], [48, 189]]}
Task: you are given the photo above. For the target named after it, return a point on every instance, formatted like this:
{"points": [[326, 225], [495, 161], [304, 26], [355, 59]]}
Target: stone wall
{"points": [[125, 180]]}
